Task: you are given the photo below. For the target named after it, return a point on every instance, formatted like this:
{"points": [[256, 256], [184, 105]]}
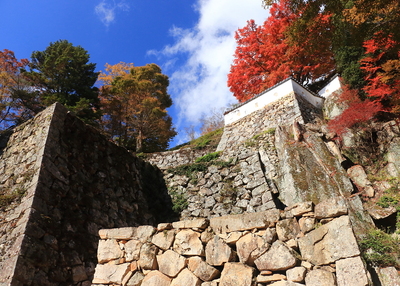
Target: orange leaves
{"points": [[134, 103], [11, 81], [113, 71]]}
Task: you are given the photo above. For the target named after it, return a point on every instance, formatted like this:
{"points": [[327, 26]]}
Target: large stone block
{"points": [[187, 242], [250, 247], [109, 250], [322, 246], [320, 277], [245, 221], [218, 252], [202, 269], [351, 271], [237, 274], [185, 278], [164, 239], [156, 278], [109, 273], [171, 263], [278, 257]]}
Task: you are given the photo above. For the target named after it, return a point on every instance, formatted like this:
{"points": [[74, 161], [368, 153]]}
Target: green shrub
{"points": [[188, 169], [209, 157], [7, 199], [387, 201], [268, 131], [380, 248], [210, 139], [179, 201]]}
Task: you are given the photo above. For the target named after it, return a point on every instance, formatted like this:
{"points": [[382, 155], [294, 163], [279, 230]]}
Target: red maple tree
{"points": [[266, 54], [381, 67]]}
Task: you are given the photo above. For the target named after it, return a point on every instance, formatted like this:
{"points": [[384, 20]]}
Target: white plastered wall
{"points": [[331, 87], [280, 90]]}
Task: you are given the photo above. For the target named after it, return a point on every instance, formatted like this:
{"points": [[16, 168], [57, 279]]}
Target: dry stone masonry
{"points": [[61, 181], [273, 207], [295, 246]]}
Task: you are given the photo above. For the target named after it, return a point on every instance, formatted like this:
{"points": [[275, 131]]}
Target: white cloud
{"points": [[106, 10], [199, 84]]}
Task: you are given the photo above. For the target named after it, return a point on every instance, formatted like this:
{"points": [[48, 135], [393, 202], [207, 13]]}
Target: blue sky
{"points": [[191, 40]]}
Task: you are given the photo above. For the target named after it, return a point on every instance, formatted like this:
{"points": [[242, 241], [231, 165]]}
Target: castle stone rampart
{"points": [[71, 182]]}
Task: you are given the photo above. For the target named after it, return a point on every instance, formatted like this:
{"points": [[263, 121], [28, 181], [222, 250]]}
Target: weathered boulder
{"points": [[308, 169], [218, 252], [322, 246], [296, 274], [318, 277], [237, 274], [185, 278], [278, 257], [306, 224], [144, 232], [270, 278], [351, 271], [108, 274], [287, 229], [393, 157], [109, 250], [187, 242], [202, 269], [135, 280], [331, 208], [164, 239], [245, 221], [147, 259], [358, 176], [388, 276], [132, 249], [378, 212], [200, 223], [270, 235], [156, 278], [301, 208], [117, 233], [250, 247], [170, 263]]}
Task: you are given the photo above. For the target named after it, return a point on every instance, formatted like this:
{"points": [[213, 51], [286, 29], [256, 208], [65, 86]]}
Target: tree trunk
{"points": [[139, 141]]}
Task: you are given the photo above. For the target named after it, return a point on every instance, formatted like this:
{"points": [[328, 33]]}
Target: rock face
{"points": [[64, 181], [301, 163]]}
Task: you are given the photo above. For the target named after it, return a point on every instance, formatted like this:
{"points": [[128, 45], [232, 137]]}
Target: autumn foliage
{"points": [[381, 93], [134, 102], [265, 55], [11, 82]]}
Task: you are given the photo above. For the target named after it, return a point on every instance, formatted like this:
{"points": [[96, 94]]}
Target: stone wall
{"points": [[170, 159], [234, 183], [295, 246], [72, 182], [285, 111], [21, 157], [281, 112]]}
